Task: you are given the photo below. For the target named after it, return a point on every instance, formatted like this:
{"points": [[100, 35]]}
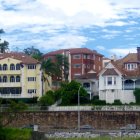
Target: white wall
{"points": [[125, 96]]}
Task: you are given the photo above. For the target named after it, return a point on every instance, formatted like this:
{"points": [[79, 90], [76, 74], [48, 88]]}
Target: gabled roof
{"points": [[73, 51], [25, 59], [110, 72]]}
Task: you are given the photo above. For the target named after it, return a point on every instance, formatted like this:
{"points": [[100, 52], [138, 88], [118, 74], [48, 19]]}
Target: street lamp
{"points": [[79, 108]]}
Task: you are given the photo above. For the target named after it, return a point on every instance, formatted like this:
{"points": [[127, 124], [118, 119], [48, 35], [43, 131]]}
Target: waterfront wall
{"points": [[69, 119]]}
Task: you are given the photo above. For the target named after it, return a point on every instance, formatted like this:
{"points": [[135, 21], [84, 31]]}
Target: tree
{"points": [[69, 93], [47, 99], [62, 67], [3, 45], [33, 52]]}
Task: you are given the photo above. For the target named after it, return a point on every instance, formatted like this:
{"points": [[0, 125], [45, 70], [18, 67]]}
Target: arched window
{"points": [[17, 66], [5, 67], [17, 78], [12, 79], [4, 79], [0, 67], [12, 67]]}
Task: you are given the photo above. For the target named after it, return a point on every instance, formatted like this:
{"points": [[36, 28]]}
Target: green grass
{"points": [[97, 138], [15, 134]]}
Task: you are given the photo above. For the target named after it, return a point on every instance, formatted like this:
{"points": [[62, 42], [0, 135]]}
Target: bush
{"points": [[47, 99], [137, 95], [99, 102], [117, 102]]}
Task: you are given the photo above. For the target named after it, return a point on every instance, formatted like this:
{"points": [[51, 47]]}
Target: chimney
{"points": [[138, 53]]}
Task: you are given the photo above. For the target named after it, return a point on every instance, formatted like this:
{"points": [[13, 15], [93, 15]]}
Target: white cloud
{"points": [[122, 51], [100, 47]]}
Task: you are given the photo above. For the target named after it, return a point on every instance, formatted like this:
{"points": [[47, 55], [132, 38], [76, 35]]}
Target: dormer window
{"points": [[131, 66]]}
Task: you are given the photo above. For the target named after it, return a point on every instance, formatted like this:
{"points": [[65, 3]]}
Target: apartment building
{"points": [[81, 60], [20, 76]]}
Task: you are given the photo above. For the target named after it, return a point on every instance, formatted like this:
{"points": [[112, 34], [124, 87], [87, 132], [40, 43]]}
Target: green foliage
{"points": [[47, 99], [69, 93], [137, 95], [17, 107], [14, 134], [96, 101], [117, 102]]}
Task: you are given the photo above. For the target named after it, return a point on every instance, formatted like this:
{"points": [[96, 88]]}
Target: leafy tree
{"points": [[69, 93], [47, 99], [137, 95]]}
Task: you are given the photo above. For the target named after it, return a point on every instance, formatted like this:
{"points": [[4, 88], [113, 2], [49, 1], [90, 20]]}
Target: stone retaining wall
{"points": [[68, 119]]}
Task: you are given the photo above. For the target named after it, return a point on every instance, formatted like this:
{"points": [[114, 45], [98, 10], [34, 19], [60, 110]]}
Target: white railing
{"points": [[69, 108], [15, 96], [95, 108]]}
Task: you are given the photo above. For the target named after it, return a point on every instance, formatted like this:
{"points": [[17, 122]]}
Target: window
{"points": [[0, 67], [12, 67], [105, 81], [86, 56], [4, 79], [131, 66], [77, 65], [17, 78], [31, 66], [12, 79], [77, 56], [114, 80], [109, 80], [31, 90], [0, 79], [17, 66], [31, 78], [4, 66]]}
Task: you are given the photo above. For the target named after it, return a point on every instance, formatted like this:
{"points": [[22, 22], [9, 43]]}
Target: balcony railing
{"points": [[10, 84], [131, 86], [16, 95]]}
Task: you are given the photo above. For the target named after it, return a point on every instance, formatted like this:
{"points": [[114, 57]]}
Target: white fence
{"points": [[95, 108]]}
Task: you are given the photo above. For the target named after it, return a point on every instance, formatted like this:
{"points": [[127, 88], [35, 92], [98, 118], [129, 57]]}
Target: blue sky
{"points": [[108, 26]]}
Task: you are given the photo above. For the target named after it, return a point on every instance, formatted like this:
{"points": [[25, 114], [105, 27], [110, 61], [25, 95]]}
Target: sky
{"points": [[111, 27]]}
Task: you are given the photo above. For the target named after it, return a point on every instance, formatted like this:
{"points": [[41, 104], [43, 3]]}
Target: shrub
{"points": [[137, 95], [117, 102]]}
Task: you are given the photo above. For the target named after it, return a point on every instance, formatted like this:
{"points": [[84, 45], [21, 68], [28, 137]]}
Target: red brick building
{"points": [[81, 60]]}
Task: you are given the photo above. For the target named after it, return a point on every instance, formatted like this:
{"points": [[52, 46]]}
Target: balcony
{"points": [[10, 84], [11, 72], [131, 86], [10, 96]]}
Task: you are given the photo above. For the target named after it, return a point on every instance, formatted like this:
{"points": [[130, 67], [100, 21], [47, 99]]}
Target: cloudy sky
{"points": [[108, 26]]}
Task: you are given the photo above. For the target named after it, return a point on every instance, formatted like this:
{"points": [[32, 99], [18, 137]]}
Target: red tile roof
{"points": [[130, 58], [74, 51], [25, 59]]}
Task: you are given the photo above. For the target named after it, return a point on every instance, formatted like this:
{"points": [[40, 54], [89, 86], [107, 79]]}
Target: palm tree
{"points": [[62, 66]]}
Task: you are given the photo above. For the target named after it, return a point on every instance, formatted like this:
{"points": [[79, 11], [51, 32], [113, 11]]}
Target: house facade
{"points": [[119, 78], [81, 60], [20, 76]]}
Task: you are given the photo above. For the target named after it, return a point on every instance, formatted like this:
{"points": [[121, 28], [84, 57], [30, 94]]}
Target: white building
{"points": [[118, 79]]}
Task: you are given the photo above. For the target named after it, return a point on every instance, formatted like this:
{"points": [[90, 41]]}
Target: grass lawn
{"points": [[15, 134]]}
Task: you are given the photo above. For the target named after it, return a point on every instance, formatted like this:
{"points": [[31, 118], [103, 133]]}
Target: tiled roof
{"points": [[87, 76], [73, 51], [110, 72], [25, 59], [130, 58]]}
